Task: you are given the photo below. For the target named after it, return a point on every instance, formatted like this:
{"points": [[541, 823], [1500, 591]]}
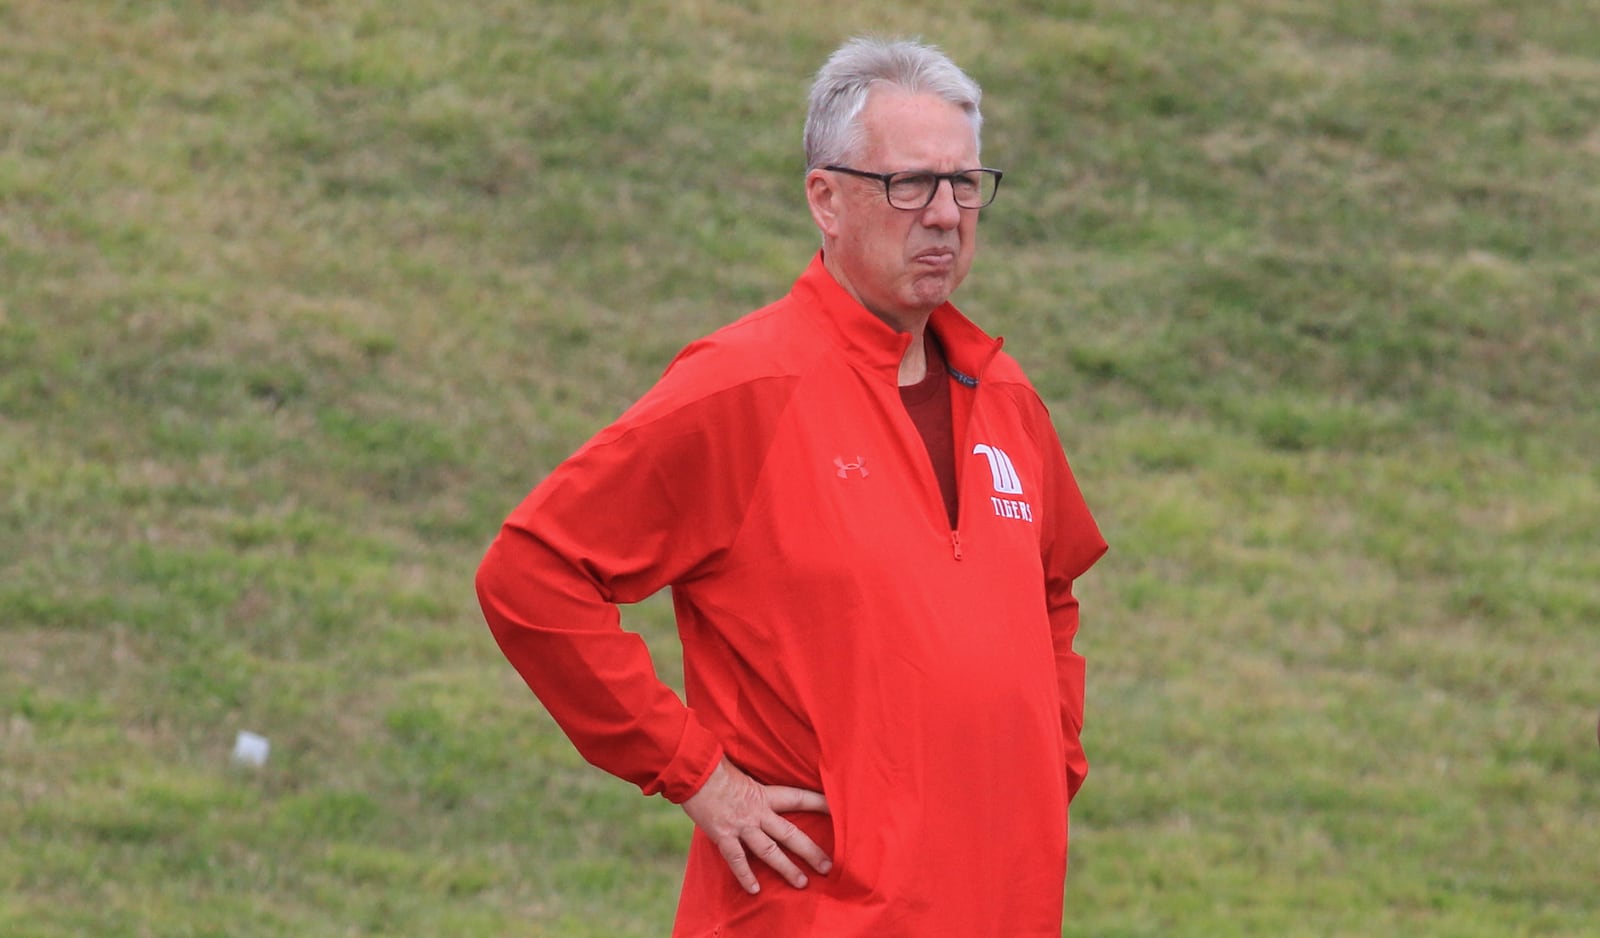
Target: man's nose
{"points": [[942, 212]]}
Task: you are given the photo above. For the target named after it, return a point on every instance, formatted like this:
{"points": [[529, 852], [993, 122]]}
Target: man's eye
{"points": [[910, 185]]}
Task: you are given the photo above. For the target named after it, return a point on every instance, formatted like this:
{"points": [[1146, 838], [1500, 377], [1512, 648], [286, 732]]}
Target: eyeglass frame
{"points": [[888, 178]]}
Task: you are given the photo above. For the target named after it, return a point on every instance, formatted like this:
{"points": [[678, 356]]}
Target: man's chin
{"points": [[933, 291]]}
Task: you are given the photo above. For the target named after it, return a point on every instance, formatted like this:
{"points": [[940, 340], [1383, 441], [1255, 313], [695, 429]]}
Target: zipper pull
{"points": [[955, 542]]}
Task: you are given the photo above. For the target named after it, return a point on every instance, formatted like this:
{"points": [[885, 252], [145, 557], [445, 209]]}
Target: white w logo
{"points": [[1006, 480]]}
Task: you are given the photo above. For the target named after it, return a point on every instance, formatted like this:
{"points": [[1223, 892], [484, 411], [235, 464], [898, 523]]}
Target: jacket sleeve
{"points": [[644, 504], [1071, 543]]}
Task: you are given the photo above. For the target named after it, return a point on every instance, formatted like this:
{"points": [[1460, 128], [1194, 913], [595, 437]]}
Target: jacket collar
{"points": [[874, 345]]}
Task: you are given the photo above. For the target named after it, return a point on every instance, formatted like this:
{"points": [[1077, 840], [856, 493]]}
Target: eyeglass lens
{"points": [[915, 190]]}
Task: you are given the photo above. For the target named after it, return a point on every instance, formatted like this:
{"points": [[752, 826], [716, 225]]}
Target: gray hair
{"points": [[833, 132]]}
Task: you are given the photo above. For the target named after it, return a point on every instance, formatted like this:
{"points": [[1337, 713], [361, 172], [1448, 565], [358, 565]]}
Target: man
{"points": [[871, 536]]}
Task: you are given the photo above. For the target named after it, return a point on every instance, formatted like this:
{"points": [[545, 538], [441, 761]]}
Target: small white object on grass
{"points": [[251, 749]]}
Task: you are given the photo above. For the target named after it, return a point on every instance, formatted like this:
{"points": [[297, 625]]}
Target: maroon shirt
{"points": [[928, 402]]}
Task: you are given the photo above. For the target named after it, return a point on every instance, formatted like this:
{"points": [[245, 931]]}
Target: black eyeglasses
{"points": [[914, 190]]}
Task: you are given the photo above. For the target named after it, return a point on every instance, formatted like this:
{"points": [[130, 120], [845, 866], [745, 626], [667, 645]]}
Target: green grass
{"points": [[297, 299]]}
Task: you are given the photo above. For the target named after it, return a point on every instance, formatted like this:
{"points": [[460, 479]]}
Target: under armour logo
{"points": [[845, 468]]}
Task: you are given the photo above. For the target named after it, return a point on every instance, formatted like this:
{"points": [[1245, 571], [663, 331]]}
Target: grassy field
{"points": [[297, 299]]}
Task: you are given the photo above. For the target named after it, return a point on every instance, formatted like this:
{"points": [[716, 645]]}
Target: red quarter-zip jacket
{"points": [[838, 635]]}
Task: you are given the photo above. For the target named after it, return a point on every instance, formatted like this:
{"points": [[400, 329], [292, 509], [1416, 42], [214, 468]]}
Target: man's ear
{"points": [[823, 198]]}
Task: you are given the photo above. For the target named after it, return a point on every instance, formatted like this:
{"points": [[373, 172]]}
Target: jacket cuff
{"points": [[697, 756]]}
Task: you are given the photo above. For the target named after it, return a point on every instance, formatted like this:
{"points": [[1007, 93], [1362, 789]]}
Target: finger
{"points": [[732, 852], [794, 840], [784, 798], [767, 851]]}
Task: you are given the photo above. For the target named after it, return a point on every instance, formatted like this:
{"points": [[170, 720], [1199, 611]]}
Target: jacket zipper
{"points": [[965, 432]]}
